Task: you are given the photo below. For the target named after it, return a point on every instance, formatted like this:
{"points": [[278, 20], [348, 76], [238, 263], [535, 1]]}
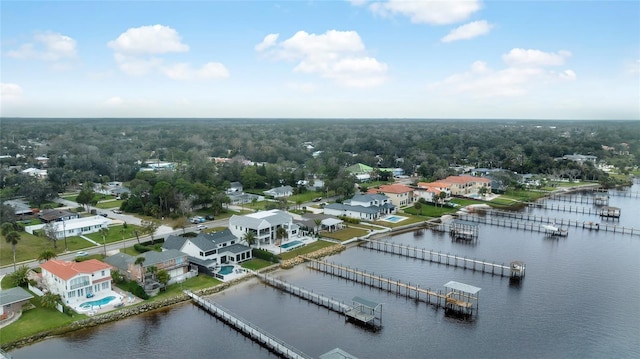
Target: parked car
{"points": [[201, 227], [317, 199], [116, 211], [82, 254], [103, 214], [210, 218]]}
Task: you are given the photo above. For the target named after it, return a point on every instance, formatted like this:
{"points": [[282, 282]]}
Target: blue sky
{"points": [[308, 59]]}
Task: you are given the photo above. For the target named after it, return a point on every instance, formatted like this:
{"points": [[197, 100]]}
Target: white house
{"points": [[76, 281], [264, 225], [74, 227], [282, 191], [210, 250], [368, 207]]}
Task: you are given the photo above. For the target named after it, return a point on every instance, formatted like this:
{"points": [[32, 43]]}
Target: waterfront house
{"points": [[171, 260], [210, 250], [76, 281], [465, 185], [400, 195], [264, 225]]}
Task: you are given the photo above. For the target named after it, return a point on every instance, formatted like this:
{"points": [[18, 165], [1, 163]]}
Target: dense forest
{"points": [[270, 152]]}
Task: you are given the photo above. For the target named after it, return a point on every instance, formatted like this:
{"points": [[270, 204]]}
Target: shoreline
{"points": [[144, 307]]}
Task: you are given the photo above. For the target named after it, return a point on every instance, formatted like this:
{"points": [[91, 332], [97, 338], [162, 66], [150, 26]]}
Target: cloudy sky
{"points": [[337, 59]]}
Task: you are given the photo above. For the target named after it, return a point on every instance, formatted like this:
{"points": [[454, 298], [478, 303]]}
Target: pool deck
{"points": [[116, 292], [277, 250]]}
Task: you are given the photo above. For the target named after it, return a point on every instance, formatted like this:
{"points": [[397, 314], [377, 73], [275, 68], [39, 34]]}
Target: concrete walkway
{"points": [[90, 240]]}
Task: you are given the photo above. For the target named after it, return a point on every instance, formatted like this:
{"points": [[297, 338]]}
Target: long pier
{"points": [[438, 257], [252, 331], [315, 298], [394, 286], [565, 208], [548, 220]]}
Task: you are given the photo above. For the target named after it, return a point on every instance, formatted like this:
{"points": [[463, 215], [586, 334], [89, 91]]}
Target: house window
{"points": [[102, 273]]}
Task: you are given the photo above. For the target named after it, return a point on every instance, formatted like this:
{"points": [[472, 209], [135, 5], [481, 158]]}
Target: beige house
{"points": [[399, 194], [465, 185]]}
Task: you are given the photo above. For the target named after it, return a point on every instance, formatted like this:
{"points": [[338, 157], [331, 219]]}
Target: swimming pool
{"points": [[97, 303], [224, 270], [292, 245], [395, 219]]}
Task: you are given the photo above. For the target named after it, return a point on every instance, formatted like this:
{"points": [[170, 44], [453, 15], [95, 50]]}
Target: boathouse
{"points": [[517, 269], [461, 298], [365, 312], [465, 230], [610, 212]]}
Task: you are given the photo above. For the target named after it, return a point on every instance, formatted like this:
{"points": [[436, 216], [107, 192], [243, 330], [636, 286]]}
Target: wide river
{"points": [[580, 299]]}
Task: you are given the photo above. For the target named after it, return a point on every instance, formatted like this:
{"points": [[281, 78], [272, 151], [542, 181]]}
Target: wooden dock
{"points": [[541, 219], [438, 299], [260, 336], [315, 298], [439, 257]]}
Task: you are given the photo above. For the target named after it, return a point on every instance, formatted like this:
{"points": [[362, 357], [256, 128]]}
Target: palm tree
{"points": [[12, 238], [139, 261], [281, 233], [46, 255], [153, 270], [250, 237], [318, 222], [104, 231]]}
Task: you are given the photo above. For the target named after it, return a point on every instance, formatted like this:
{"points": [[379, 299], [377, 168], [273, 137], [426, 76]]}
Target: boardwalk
{"points": [[561, 222], [438, 257], [315, 298], [252, 331]]}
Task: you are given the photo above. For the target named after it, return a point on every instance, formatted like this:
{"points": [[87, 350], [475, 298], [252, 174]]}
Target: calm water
{"points": [[580, 298]]}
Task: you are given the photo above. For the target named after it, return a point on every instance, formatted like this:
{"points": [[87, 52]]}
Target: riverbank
{"points": [[146, 307]]}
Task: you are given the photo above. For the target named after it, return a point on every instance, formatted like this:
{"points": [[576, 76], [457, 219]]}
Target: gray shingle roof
{"points": [[235, 248], [14, 295], [153, 257], [174, 242], [120, 260]]}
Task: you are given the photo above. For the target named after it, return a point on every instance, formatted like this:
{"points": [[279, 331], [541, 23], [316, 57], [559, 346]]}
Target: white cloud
{"points": [[433, 12], [154, 39], [184, 71], [522, 57], [46, 46], [137, 52], [468, 31], [336, 55], [514, 80], [114, 101], [269, 41], [10, 93]]}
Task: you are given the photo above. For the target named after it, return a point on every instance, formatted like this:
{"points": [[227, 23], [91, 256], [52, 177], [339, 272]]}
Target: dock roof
{"points": [[365, 302], [462, 287]]}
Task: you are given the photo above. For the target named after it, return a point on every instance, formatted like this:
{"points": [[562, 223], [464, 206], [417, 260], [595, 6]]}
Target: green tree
{"points": [[20, 276], [418, 206], [153, 271], [85, 197], [182, 223], [46, 255], [117, 276], [281, 234], [318, 223], [250, 238], [163, 277], [50, 300], [13, 238], [103, 232]]}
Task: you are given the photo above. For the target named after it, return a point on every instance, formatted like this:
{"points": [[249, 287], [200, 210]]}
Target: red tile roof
{"points": [[438, 184], [67, 270], [465, 179], [394, 188]]}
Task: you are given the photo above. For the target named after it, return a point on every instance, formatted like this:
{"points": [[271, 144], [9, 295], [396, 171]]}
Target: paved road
{"points": [[162, 232]]}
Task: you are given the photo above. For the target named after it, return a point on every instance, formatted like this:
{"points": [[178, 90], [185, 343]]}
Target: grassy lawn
{"points": [[109, 204], [346, 233], [115, 234], [427, 210], [305, 197], [306, 249], [256, 264], [34, 321], [195, 283], [30, 246]]}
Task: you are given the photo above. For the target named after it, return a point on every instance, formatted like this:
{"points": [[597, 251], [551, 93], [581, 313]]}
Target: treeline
{"points": [[81, 151]]}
